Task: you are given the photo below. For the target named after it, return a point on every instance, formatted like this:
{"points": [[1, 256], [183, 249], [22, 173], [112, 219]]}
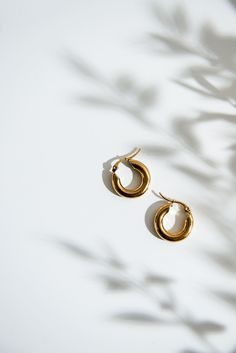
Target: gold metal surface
{"points": [[137, 166], [158, 221]]}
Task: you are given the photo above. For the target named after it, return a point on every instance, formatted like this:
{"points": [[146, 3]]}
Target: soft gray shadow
{"points": [[138, 318], [217, 49], [216, 116], [225, 259], [122, 93], [149, 216], [201, 177], [107, 175], [183, 127], [176, 21], [233, 3], [228, 297], [159, 150], [116, 277], [225, 227], [114, 283], [110, 258], [207, 89], [232, 160], [77, 250]]}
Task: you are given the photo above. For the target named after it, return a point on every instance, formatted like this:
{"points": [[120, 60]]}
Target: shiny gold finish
{"points": [[158, 221], [137, 166]]}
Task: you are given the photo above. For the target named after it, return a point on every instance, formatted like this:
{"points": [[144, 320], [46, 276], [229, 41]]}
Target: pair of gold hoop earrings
{"points": [[145, 175]]}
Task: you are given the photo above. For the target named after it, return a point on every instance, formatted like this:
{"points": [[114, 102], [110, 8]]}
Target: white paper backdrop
{"points": [[85, 81]]}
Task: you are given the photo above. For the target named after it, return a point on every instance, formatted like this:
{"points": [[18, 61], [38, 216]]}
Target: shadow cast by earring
{"points": [[107, 174], [149, 217]]}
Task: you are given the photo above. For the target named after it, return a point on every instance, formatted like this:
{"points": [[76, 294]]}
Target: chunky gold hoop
{"points": [[137, 166], [165, 234]]}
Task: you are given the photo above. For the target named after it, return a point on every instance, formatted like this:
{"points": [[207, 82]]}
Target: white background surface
{"points": [[80, 270]]}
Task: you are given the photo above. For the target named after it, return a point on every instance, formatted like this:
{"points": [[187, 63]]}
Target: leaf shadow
{"points": [[137, 318], [218, 51], [228, 297], [123, 93]]}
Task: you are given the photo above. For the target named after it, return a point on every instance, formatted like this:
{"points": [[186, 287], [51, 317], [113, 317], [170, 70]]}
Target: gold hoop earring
{"points": [[137, 166], [158, 221]]}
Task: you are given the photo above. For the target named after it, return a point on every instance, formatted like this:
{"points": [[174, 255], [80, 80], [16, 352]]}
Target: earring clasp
{"points": [[126, 158], [186, 208]]}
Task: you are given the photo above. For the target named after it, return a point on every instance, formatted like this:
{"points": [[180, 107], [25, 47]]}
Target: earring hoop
{"points": [[158, 221], [138, 167]]}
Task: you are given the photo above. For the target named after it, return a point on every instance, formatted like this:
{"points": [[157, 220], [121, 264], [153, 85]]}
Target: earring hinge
{"points": [[127, 158], [186, 208]]}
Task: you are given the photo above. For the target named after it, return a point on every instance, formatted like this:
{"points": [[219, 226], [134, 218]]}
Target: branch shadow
{"points": [[122, 93], [118, 278], [218, 51]]}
